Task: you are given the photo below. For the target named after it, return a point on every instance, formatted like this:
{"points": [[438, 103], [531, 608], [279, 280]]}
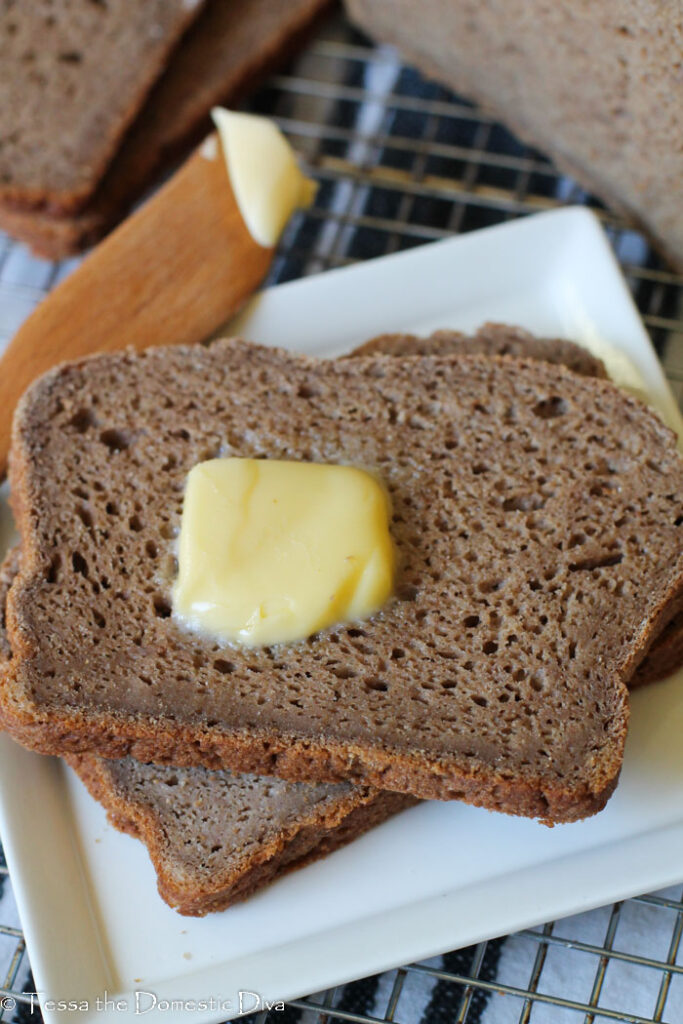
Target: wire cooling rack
{"points": [[401, 161]]}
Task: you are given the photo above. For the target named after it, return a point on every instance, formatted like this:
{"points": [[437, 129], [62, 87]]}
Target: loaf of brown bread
{"points": [[215, 837], [536, 517], [230, 45], [596, 85], [73, 75]]}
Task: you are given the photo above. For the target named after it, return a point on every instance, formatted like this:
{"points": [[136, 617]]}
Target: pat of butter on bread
{"points": [[266, 180], [273, 551]]}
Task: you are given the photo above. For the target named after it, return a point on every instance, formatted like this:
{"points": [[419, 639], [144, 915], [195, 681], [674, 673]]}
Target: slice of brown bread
{"points": [[490, 339], [536, 517], [666, 653], [230, 45], [216, 837], [73, 75]]}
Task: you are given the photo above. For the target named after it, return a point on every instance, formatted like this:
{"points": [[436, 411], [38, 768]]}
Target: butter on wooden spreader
{"points": [[172, 273], [265, 176]]}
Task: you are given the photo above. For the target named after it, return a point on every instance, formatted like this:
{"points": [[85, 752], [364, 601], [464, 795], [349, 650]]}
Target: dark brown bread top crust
{"points": [[491, 339], [214, 837], [73, 75], [229, 46], [535, 519]]}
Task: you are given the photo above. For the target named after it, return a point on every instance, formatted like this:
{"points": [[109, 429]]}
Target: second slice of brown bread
{"points": [[215, 837], [491, 339], [536, 517]]}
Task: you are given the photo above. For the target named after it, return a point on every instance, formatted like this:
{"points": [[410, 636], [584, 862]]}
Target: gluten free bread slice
{"points": [[73, 75], [216, 837], [536, 517]]}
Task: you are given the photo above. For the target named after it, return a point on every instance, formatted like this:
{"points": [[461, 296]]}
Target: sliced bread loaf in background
{"points": [[536, 516], [73, 75], [596, 85], [229, 46]]}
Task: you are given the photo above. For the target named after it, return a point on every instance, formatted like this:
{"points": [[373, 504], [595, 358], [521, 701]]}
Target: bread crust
{"points": [[491, 339], [664, 657]]}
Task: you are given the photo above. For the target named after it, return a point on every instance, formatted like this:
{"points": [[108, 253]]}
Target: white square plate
{"points": [[437, 876]]}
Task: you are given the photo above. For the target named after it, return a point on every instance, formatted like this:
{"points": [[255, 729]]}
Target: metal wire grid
{"points": [[401, 161], [526, 994]]}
